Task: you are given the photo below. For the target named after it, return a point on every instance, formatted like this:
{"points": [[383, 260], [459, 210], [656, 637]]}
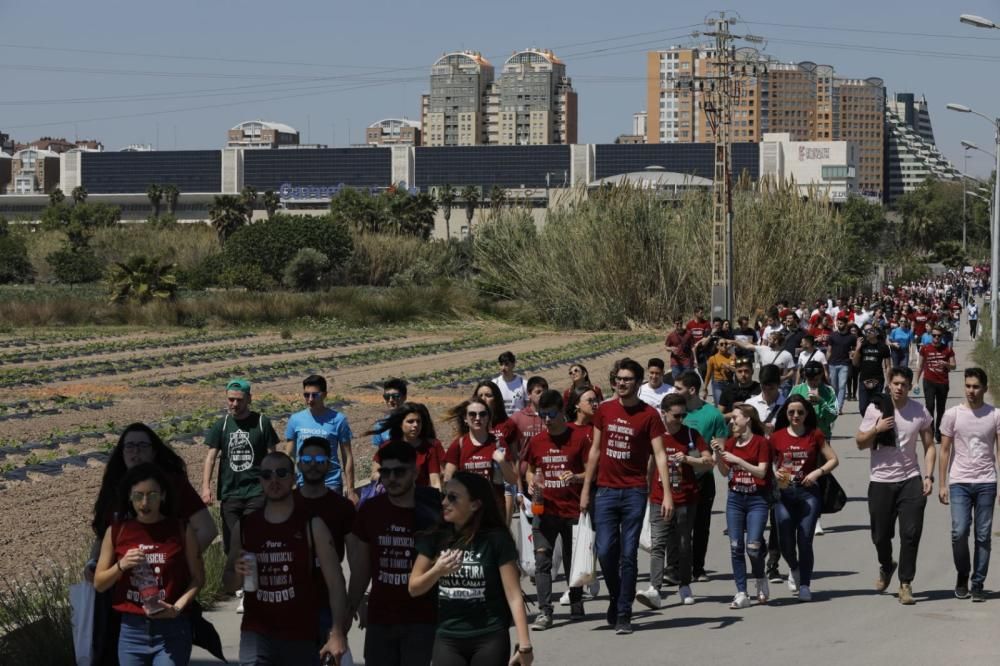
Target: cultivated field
{"points": [[66, 394]]}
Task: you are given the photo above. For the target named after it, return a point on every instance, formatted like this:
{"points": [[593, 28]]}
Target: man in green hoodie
{"points": [[822, 397]]}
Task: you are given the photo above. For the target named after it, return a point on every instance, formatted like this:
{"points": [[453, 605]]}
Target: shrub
{"points": [[391, 259], [142, 279], [248, 276], [272, 244], [35, 618], [75, 265], [203, 275], [306, 270], [15, 266]]}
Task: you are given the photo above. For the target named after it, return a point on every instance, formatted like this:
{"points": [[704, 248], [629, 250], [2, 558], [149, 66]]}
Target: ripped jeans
{"points": [[747, 513]]}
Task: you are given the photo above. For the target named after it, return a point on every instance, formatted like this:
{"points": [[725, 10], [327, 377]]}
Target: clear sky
{"points": [[180, 73]]}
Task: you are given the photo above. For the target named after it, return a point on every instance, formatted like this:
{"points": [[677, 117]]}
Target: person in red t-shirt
{"points": [[743, 459], [936, 361], [627, 432], [556, 460], [504, 429], [797, 447], [478, 451], [411, 423], [679, 343], [686, 452], [153, 562], [399, 629]]}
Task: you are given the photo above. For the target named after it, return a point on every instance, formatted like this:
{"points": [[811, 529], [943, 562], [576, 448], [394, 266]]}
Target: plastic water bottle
{"points": [[537, 501], [250, 580]]}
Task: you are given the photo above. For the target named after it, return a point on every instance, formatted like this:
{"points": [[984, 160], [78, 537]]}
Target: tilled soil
{"points": [[47, 516]]}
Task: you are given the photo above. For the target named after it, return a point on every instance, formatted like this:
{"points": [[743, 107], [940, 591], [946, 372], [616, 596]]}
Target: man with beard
{"points": [[742, 388]]}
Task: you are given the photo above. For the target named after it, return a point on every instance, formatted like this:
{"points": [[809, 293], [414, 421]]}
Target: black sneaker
{"points": [[978, 594], [623, 628], [576, 611], [669, 579], [612, 616], [962, 588], [774, 576]]}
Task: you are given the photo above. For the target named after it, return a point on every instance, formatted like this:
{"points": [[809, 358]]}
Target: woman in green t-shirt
{"points": [[472, 558]]}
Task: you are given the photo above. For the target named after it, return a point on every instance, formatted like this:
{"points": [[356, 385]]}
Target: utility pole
{"points": [[720, 87]]}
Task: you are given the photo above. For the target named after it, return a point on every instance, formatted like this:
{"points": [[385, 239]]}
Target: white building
{"points": [[818, 168], [911, 155]]}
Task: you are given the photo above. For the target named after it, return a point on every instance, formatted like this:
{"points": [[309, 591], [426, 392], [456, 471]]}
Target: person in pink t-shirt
{"points": [[891, 428], [970, 431]]}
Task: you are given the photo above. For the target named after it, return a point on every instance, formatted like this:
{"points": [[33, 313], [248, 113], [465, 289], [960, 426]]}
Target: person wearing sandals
{"points": [[744, 459], [801, 455]]}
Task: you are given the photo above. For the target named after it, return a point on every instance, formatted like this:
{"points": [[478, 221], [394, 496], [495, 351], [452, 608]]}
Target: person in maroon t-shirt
{"points": [[279, 622], [399, 629], [627, 432], [679, 343], [556, 460], [686, 451], [411, 423], [477, 450], [698, 326], [936, 361]]}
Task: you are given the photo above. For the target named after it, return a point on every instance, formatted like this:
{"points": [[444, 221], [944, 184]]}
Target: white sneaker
{"points": [[239, 594], [741, 600], [239, 607], [650, 598], [687, 596], [819, 530], [793, 581], [564, 599], [763, 590], [804, 593]]}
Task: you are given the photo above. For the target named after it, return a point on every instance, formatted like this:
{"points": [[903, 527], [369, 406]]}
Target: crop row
{"points": [[28, 409], [531, 361], [281, 369], [59, 336], [44, 459], [92, 349], [178, 359]]}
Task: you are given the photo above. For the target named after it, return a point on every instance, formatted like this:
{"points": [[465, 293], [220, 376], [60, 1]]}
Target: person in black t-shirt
{"points": [[871, 358], [741, 388], [841, 342]]}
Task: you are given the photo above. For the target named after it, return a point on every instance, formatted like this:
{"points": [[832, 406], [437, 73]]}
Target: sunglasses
{"points": [[548, 415], [394, 472], [592, 401], [676, 415], [796, 412], [391, 396], [151, 496], [281, 473], [319, 459], [312, 395], [624, 380], [476, 416], [142, 446], [453, 498]]}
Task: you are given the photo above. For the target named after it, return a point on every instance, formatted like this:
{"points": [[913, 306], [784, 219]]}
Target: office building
{"points": [[262, 134], [34, 170], [454, 112], [819, 169], [911, 155], [393, 132]]}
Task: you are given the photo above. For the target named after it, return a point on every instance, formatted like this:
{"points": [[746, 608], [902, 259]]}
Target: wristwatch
{"points": [[931, 477]]}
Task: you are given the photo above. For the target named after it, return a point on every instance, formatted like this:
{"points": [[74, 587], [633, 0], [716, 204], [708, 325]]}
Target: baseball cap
{"points": [[842, 316], [813, 369], [238, 385]]}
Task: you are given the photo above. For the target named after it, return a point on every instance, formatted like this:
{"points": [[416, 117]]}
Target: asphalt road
{"points": [[847, 622]]}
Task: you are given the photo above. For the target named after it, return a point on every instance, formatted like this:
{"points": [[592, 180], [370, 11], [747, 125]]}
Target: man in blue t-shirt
{"points": [[394, 394], [318, 420], [899, 341]]}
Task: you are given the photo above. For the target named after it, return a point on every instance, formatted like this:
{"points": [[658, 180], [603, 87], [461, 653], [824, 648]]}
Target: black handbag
{"points": [[832, 495]]}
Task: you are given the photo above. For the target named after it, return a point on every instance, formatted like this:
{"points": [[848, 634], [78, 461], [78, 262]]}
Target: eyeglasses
{"points": [[796, 412], [281, 473], [391, 396], [548, 415], [312, 395], [475, 416], [453, 498], [142, 446], [319, 459], [151, 496], [936, 335], [624, 380], [592, 401], [676, 415], [574, 371], [395, 472]]}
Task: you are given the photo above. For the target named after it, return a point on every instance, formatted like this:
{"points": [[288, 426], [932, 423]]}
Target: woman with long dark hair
{"points": [[472, 558], [505, 430], [478, 450], [582, 405], [153, 562], [744, 460], [411, 423], [801, 455], [579, 379]]}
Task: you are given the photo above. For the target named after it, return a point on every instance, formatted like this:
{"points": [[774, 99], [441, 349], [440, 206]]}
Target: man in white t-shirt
{"points": [[513, 390], [810, 352], [655, 388], [969, 480], [773, 354], [891, 429]]}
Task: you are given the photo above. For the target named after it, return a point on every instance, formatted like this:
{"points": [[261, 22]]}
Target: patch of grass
{"points": [[215, 560], [35, 618]]}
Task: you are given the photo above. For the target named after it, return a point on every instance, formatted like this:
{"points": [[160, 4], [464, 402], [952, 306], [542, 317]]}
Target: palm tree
{"points": [[155, 194], [249, 198], [271, 203], [79, 194], [56, 197], [171, 193], [446, 197], [142, 279], [471, 196], [228, 214], [498, 197]]}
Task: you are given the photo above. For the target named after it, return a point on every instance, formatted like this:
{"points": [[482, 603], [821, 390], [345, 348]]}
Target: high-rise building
{"points": [[639, 120], [809, 102], [262, 134], [393, 132], [532, 103], [911, 157]]}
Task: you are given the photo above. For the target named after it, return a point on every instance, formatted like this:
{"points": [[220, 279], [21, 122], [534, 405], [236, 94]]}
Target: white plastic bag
{"points": [[526, 547], [584, 565], [646, 535], [81, 598]]}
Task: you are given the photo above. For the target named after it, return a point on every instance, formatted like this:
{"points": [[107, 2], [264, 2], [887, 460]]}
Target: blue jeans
{"points": [[717, 389], [618, 515], [972, 502], [746, 512], [150, 642], [797, 513], [900, 358], [838, 378], [677, 370]]}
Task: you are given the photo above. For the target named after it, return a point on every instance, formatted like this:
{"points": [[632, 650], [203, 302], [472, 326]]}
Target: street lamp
{"points": [[995, 226]]}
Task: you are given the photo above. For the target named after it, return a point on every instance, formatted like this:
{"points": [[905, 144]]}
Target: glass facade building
{"points": [[323, 167], [486, 166], [132, 173], [695, 159]]}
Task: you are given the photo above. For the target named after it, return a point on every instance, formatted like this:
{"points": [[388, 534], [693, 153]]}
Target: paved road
{"points": [[847, 620]]}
